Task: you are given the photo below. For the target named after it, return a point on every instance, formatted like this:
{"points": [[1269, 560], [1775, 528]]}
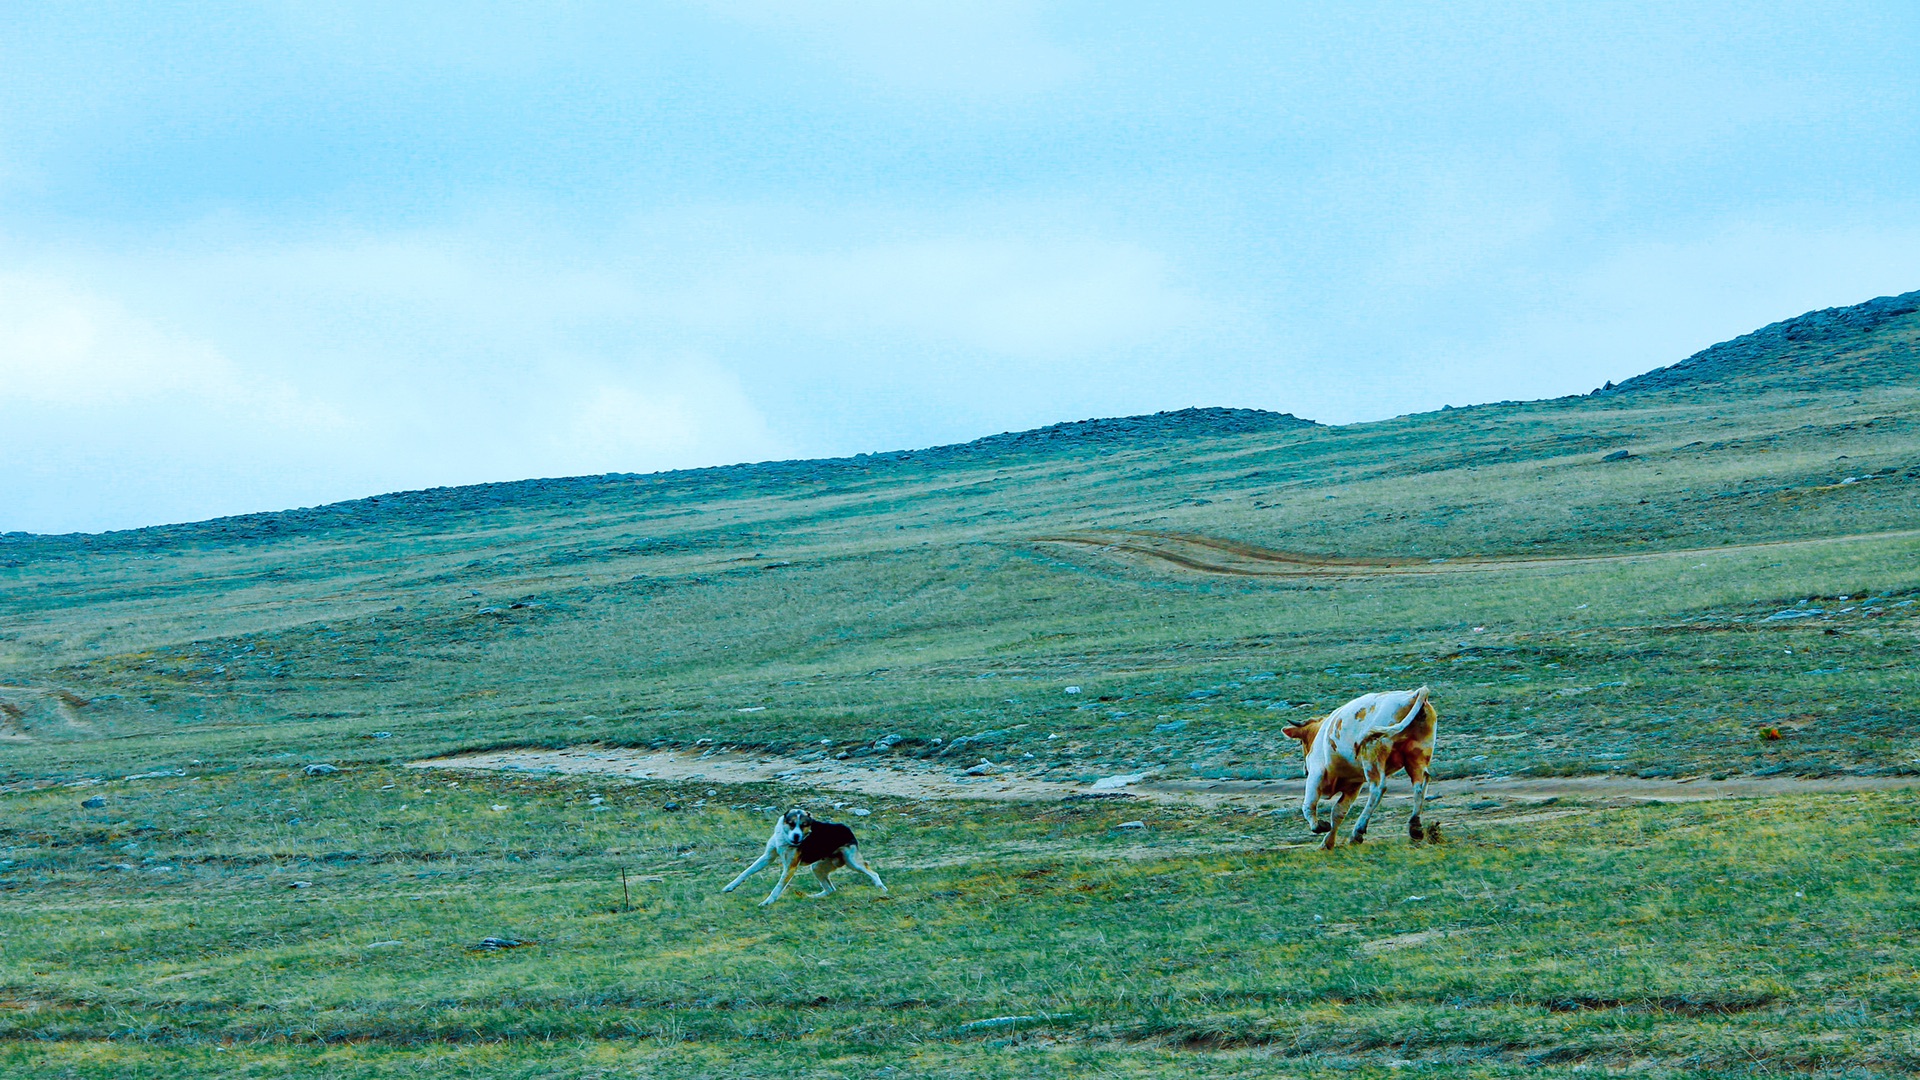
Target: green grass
{"points": [[1776, 935], [847, 601]]}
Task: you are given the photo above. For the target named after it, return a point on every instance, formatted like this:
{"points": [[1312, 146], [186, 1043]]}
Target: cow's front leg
{"points": [[1310, 804], [1339, 812]]}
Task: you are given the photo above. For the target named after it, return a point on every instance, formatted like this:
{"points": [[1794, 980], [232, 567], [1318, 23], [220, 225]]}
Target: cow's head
{"points": [[1305, 732]]}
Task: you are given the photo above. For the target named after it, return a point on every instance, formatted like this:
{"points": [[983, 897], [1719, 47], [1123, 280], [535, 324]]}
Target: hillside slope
{"points": [[1862, 347], [925, 593]]}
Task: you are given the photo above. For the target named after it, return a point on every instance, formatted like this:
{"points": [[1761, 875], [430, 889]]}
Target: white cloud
{"points": [[1037, 300], [1651, 304], [690, 415], [62, 346], [987, 49]]}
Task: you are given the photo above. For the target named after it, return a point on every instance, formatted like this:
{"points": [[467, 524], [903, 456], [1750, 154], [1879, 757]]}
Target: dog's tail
{"points": [[1414, 710]]}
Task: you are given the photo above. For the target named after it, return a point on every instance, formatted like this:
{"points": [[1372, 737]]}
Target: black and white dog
{"points": [[800, 839]]}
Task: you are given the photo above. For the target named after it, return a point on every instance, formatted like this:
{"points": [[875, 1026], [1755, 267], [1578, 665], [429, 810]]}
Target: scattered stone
{"points": [[861, 811], [1170, 726], [1010, 1021], [1073, 690], [1617, 455], [496, 943], [985, 768], [320, 768], [1131, 825], [980, 739], [671, 806], [93, 802], [888, 742], [1108, 783], [299, 884]]}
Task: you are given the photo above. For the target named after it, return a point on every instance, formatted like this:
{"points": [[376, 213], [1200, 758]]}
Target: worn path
{"points": [[918, 779], [1209, 555]]}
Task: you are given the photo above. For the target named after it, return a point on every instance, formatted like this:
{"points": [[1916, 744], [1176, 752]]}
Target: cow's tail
{"points": [[1413, 713]]}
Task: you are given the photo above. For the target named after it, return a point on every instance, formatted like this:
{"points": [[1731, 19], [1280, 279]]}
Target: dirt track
{"points": [[915, 779], [1212, 556]]}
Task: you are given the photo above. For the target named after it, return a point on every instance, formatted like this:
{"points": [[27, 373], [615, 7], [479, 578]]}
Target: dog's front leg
{"points": [[765, 858], [792, 868]]}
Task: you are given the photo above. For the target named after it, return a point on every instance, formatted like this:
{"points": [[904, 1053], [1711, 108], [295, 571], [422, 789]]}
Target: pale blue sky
{"points": [[268, 255]]}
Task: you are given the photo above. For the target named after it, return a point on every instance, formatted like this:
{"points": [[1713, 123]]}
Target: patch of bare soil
{"points": [[25, 710], [902, 778], [915, 779], [1209, 555]]}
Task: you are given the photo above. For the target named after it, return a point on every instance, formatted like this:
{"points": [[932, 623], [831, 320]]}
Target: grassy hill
{"points": [[1638, 581]]}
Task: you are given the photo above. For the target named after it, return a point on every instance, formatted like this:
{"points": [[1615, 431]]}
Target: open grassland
{"points": [[917, 601], [1733, 937], [1736, 597]]}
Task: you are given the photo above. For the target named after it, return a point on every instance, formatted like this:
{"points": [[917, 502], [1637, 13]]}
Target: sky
{"points": [[264, 255]]}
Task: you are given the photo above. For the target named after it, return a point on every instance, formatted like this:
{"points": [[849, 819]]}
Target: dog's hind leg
{"points": [[852, 855], [820, 871], [765, 858], [786, 876]]}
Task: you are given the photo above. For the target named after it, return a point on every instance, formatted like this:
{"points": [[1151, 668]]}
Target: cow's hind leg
{"points": [[1376, 787], [1339, 811], [1418, 775]]}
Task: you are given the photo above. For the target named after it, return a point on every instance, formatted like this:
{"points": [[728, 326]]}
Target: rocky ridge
{"points": [[1094, 436], [1860, 346]]}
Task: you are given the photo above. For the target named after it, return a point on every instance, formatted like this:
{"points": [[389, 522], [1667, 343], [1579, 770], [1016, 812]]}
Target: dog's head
{"points": [[794, 824]]}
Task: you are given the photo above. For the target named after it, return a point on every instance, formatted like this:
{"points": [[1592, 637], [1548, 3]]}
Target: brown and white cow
{"points": [[1363, 742]]}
